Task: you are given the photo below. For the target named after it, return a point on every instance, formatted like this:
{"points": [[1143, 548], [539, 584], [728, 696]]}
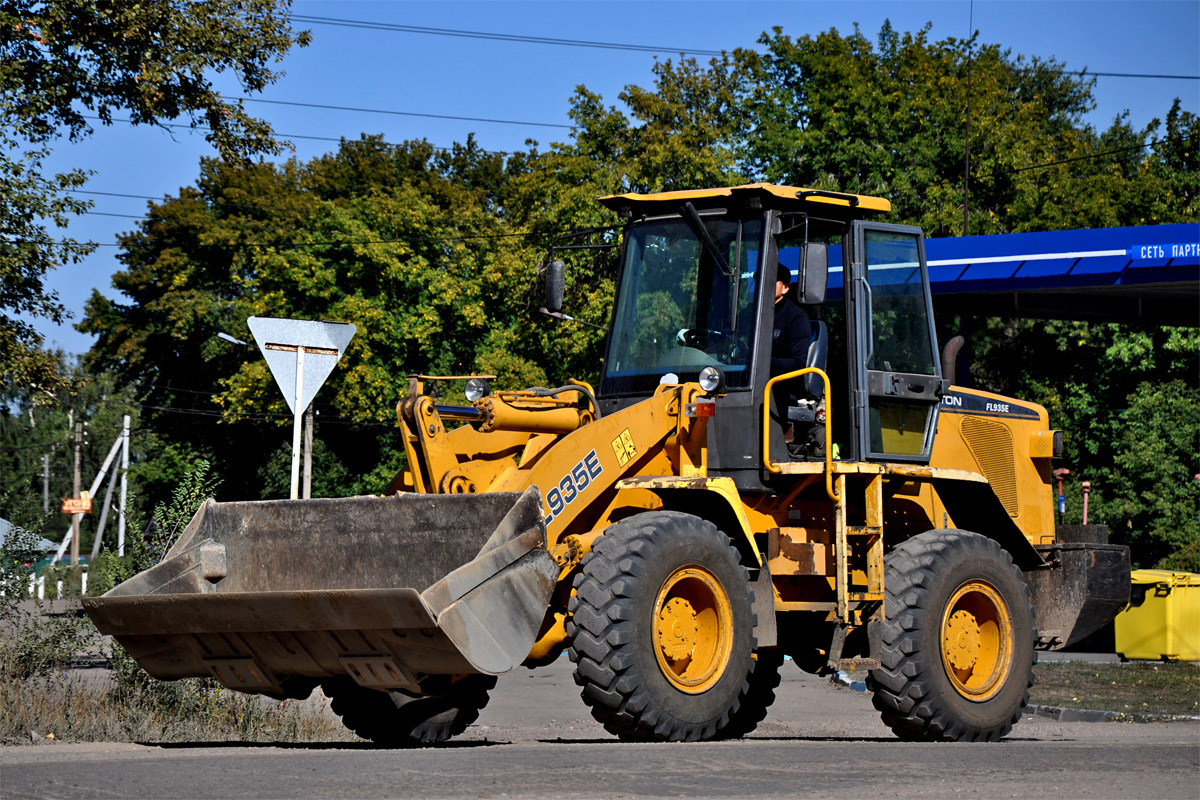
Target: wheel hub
{"points": [[962, 640], [977, 640], [693, 629], [677, 629]]}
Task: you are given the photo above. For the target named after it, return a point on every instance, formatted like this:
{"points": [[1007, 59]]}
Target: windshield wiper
{"points": [[697, 225]]}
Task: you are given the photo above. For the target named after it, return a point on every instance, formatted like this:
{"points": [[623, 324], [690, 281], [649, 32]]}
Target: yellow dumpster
{"points": [[1162, 620]]}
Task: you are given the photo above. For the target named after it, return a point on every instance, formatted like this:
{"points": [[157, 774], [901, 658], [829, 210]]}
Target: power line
{"points": [[238, 416], [109, 214], [437, 148], [477, 237], [117, 194], [402, 113], [340, 242], [1087, 157], [501, 37], [1085, 73], [637, 48]]}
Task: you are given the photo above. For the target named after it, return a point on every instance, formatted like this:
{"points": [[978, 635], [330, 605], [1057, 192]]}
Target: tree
{"points": [[402, 242], [1153, 497], [63, 59]]}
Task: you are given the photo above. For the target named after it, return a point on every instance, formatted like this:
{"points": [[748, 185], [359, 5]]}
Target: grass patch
{"points": [[43, 697], [1139, 689], [68, 707]]}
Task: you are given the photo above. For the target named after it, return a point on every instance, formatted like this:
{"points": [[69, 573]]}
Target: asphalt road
{"points": [[536, 739]]}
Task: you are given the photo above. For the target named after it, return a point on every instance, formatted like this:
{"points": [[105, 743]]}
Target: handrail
{"points": [[766, 435]]}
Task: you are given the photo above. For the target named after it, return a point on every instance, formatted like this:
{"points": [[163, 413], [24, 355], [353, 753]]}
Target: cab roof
{"points": [[754, 195]]}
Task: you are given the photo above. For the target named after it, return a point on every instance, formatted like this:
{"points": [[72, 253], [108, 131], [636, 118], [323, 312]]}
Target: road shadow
{"points": [[318, 745], [745, 740]]}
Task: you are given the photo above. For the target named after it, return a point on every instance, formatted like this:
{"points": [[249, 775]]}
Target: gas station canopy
{"points": [[1148, 275]]}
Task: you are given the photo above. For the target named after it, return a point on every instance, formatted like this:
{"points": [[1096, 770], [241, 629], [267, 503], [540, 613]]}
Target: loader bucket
{"points": [[275, 596]]}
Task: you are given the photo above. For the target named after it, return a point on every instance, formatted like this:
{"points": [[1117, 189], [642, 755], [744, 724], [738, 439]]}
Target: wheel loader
{"points": [[681, 529]]}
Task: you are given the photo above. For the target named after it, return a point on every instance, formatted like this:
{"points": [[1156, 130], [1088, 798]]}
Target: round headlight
{"points": [[476, 388], [711, 379]]}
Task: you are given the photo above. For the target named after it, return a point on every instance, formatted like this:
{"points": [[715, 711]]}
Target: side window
{"points": [[899, 322]]}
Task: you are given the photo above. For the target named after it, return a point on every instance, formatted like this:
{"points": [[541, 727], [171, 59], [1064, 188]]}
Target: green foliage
{"points": [[401, 242], [35, 426], [27, 252], [171, 517], [329, 475], [33, 642], [1154, 498], [155, 61]]}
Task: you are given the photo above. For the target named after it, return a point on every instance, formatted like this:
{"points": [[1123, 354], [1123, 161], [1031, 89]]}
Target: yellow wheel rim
{"points": [[976, 641], [693, 629]]}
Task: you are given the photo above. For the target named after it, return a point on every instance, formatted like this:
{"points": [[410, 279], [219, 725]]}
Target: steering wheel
{"points": [[699, 338], [734, 351]]}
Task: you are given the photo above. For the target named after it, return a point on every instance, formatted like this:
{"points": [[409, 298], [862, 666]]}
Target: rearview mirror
{"points": [[556, 278], [814, 273]]}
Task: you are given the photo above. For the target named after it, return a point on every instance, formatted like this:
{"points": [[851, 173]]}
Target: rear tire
{"points": [[394, 719], [662, 631], [957, 644]]}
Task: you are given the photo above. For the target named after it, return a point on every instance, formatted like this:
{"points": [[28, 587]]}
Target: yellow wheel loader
{"points": [[677, 530]]}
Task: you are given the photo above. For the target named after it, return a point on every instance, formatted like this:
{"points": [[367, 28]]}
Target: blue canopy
{"points": [[1143, 274]]}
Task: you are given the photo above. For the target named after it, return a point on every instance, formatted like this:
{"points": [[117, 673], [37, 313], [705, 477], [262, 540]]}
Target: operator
{"points": [[793, 331], [789, 352]]}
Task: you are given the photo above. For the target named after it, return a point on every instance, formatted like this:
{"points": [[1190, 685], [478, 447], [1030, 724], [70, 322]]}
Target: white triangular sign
{"points": [[280, 341]]}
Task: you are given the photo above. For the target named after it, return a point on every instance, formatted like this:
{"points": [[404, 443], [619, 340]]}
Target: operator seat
{"points": [[804, 409]]}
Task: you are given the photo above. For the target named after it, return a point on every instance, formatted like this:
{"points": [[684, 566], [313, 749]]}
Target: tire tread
{"points": [[601, 629], [903, 691]]}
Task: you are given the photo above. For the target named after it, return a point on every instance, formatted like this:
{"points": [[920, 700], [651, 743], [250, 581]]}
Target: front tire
{"points": [[957, 643], [394, 719], [764, 680], [662, 631]]}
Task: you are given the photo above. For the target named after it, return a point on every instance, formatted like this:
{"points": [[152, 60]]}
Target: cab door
{"points": [[898, 385]]}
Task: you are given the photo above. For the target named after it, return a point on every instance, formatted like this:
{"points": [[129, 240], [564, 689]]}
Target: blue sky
{"points": [[430, 74]]}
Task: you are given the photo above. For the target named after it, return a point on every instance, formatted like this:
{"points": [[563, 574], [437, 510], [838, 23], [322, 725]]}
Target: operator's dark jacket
{"points": [[789, 351], [790, 339]]}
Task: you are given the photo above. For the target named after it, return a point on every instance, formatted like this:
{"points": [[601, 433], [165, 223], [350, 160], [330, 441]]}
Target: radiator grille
{"points": [[992, 446]]}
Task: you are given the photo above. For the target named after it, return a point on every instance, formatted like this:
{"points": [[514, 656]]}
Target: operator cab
{"points": [[696, 290]]}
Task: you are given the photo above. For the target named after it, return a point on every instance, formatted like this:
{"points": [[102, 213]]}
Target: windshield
{"points": [[685, 303]]}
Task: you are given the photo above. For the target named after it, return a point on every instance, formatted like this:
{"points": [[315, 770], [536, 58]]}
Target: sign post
{"points": [[300, 354]]}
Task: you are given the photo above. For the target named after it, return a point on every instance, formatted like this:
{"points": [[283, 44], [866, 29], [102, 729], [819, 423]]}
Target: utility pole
{"points": [[45, 483], [76, 517], [967, 156], [309, 417], [124, 485]]}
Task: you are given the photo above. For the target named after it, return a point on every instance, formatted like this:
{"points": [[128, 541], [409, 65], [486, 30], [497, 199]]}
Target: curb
{"points": [[842, 680], [1089, 715], [1073, 714]]}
